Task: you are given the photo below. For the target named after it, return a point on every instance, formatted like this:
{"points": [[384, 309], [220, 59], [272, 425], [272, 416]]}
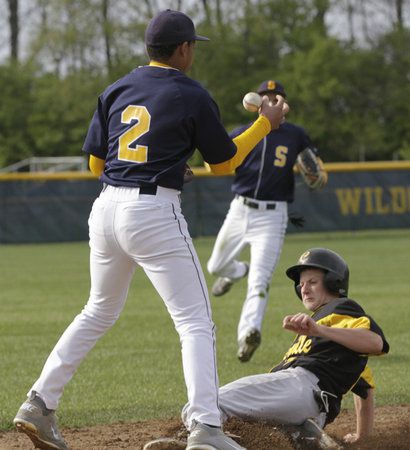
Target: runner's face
{"points": [[313, 291]]}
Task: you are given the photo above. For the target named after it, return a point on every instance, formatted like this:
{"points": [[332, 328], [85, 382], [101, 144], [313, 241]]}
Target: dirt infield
{"points": [[392, 431]]}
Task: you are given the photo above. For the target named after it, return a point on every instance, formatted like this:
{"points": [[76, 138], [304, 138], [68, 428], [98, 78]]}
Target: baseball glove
{"points": [[311, 168]]}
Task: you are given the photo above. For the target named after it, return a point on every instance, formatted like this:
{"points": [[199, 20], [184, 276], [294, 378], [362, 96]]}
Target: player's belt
{"points": [[256, 205], [144, 190], [148, 190]]}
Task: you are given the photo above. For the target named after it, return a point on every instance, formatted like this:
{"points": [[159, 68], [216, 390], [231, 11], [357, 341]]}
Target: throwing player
{"points": [[145, 128], [327, 358], [258, 217]]}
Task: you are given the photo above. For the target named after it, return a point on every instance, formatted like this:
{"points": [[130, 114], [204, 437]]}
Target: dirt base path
{"points": [[392, 431]]}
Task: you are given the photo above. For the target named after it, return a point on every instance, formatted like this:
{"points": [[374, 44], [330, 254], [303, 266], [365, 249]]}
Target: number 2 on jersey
{"points": [[138, 153], [281, 153]]}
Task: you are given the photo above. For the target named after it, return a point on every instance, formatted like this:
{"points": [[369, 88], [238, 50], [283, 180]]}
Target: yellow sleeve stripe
{"points": [[342, 321], [245, 143], [96, 165], [367, 375]]}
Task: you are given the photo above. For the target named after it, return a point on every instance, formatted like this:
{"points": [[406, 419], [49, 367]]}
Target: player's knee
{"points": [[258, 289], [195, 326], [102, 319], [212, 267]]}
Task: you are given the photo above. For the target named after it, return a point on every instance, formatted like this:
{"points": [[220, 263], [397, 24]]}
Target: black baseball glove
{"points": [[298, 221]]}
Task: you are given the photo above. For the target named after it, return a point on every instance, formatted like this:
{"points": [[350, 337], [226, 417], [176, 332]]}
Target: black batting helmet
{"points": [[336, 277]]}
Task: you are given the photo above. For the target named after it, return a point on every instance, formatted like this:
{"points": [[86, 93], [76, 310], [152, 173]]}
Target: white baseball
{"points": [[252, 101]]}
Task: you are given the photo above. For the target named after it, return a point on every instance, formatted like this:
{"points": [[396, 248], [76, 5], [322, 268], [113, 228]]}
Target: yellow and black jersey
{"points": [[337, 367], [365, 382]]}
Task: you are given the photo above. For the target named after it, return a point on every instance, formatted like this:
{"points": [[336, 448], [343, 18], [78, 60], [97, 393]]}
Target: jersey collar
{"points": [[153, 63]]}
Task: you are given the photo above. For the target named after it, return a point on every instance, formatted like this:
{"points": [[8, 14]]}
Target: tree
{"points": [[107, 33], [336, 85], [13, 6], [15, 110], [395, 91]]}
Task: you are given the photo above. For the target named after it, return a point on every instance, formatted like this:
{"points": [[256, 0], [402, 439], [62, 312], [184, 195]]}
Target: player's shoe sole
{"points": [[248, 345], [31, 431], [201, 447], [223, 285], [165, 444], [39, 424]]}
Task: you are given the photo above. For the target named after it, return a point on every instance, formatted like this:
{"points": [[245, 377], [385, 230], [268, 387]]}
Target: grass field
{"points": [[134, 372]]}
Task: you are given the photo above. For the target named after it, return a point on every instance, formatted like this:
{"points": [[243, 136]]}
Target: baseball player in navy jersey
{"points": [[145, 128], [258, 216], [327, 358]]}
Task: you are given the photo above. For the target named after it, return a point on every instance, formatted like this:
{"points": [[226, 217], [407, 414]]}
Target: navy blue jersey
{"points": [[148, 124], [267, 172]]}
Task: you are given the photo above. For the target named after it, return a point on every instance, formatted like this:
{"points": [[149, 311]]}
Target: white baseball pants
{"points": [[285, 397], [264, 230], [126, 230]]}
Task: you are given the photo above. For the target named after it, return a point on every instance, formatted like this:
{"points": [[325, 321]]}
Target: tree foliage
{"points": [[351, 95]]}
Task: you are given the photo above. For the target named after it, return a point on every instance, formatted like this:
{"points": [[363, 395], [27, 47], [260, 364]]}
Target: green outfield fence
{"points": [[54, 207]]}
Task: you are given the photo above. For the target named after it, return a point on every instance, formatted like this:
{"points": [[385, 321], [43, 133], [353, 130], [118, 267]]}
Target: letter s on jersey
{"points": [[281, 153]]}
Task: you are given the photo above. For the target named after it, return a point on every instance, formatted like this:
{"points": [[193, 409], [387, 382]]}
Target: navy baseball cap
{"points": [[271, 86], [171, 27]]}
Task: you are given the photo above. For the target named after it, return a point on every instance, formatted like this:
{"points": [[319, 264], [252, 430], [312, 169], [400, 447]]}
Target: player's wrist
{"points": [[264, 123], [320, 330]]}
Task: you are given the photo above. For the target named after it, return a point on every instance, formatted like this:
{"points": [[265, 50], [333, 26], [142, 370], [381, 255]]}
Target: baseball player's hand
{"points": [[350, 438], [188, 175], [297, 221], [301, 323], [274, 112]]}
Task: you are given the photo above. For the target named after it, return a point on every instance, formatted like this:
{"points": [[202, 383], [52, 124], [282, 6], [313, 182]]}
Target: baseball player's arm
{"points": [[269, 119], [96, 165], [364, 408], [245, 143], [360, 340]]}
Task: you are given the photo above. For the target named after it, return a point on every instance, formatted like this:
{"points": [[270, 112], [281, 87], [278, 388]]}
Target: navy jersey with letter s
{"points": [[148, 124], [267, 172]]}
